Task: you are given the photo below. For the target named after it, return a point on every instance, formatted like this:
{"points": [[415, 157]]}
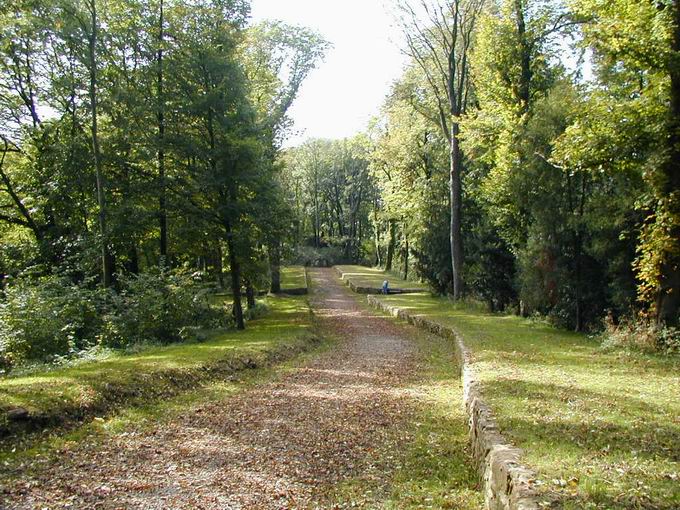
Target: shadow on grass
{"points": [[621, 452], [65, 394]]}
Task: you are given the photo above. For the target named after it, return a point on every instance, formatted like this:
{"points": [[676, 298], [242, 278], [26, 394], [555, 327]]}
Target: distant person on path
{"points": [[386, 287]]}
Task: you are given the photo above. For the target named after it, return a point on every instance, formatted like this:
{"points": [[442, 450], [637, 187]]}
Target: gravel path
{"points": [[281, 444]]}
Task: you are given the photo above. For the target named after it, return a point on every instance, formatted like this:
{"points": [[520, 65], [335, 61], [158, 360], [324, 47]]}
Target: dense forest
{"points": [[527, 158]]}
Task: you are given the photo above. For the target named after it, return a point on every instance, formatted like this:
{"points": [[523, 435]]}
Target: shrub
{"points": [[48, 316], [326, 256], [155, 306], [640, 334]]}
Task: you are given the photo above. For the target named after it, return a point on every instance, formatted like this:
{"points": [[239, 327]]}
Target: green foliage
{"points": [[191, 108], [635, 52], [51, 317], [46, 317], [331, 193], [154, 307]]}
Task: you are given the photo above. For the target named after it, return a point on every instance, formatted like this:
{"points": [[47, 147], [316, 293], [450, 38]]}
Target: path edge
{"points": [[508, 485]]}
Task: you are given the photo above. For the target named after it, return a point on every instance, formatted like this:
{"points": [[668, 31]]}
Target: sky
{"points": [[346, 90]]}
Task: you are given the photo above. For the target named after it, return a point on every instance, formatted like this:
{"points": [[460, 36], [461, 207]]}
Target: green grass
{"points": [[373, 278], [146, 416], [434, 468], [293, 277], [601, 428], [154, 371]]}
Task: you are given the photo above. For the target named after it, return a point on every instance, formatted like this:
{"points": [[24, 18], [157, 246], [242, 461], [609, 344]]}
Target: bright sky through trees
{"points": [[340, 96]]}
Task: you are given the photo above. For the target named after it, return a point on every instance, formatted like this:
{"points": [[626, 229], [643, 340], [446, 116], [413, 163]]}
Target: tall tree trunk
{"points": [[275, 266], [392, 227], [376, 234], [219, 268], [107, 258], [162, 205], [250, 295], [406, 253], [526, 74], [235, 268], [455, 203], [668, 296]]}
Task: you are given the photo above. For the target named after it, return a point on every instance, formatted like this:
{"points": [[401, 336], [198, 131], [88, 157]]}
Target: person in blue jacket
{"points": [[386, 287]]}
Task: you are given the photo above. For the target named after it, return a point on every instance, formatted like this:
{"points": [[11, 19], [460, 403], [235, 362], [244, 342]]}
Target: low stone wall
{"points": [[507, 484], [298, 291], [371, 290]]}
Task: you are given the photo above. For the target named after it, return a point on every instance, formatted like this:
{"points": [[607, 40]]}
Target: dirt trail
{"points": [[277, 445]]}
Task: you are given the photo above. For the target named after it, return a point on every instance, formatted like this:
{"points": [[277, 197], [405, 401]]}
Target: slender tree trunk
{"points": [[107, 259], [456, 209], [235, 268], [668, 297], [390, 245], [579, 319], [250, 295], [162, 205], [376, 234], [219, 268], [275, 266], [406, 257], [526, 74]]}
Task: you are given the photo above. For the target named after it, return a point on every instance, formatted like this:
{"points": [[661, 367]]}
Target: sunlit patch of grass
{"points": [[601, 428], [293, 277], [373, 278], [433, 469], [153, 372]]}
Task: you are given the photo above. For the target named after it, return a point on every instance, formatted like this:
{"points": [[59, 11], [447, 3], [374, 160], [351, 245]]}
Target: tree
{"points": [[160, 99], [440, 45], [278, 58], [636, 47]]}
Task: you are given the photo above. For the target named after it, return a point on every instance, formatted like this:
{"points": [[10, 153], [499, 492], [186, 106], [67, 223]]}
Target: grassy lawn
{"points": [[101, 385], [434, 469], [373, 278], [602, 429], [293, 277]]}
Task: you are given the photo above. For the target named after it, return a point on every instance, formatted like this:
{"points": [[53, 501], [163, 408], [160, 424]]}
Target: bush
{"points": [[319, 257], [154, 307], [640, 334], [45, 317], [48, 318]]}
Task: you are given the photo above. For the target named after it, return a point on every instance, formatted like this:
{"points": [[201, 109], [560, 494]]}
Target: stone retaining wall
{"points": [[507, 484], [298, 291], [372, 290]]}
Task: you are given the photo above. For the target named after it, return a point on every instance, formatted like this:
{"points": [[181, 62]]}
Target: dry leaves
{"points": [[278, 445]]}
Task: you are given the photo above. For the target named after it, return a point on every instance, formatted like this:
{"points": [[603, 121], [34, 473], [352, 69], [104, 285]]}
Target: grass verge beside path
{"points": [[61, 395], [433, 467], [293, 277], [370, 277], [602, 429]]}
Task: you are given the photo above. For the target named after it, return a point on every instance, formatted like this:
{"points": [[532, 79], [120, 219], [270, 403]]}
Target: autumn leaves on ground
{"points": [[371, 418]]}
